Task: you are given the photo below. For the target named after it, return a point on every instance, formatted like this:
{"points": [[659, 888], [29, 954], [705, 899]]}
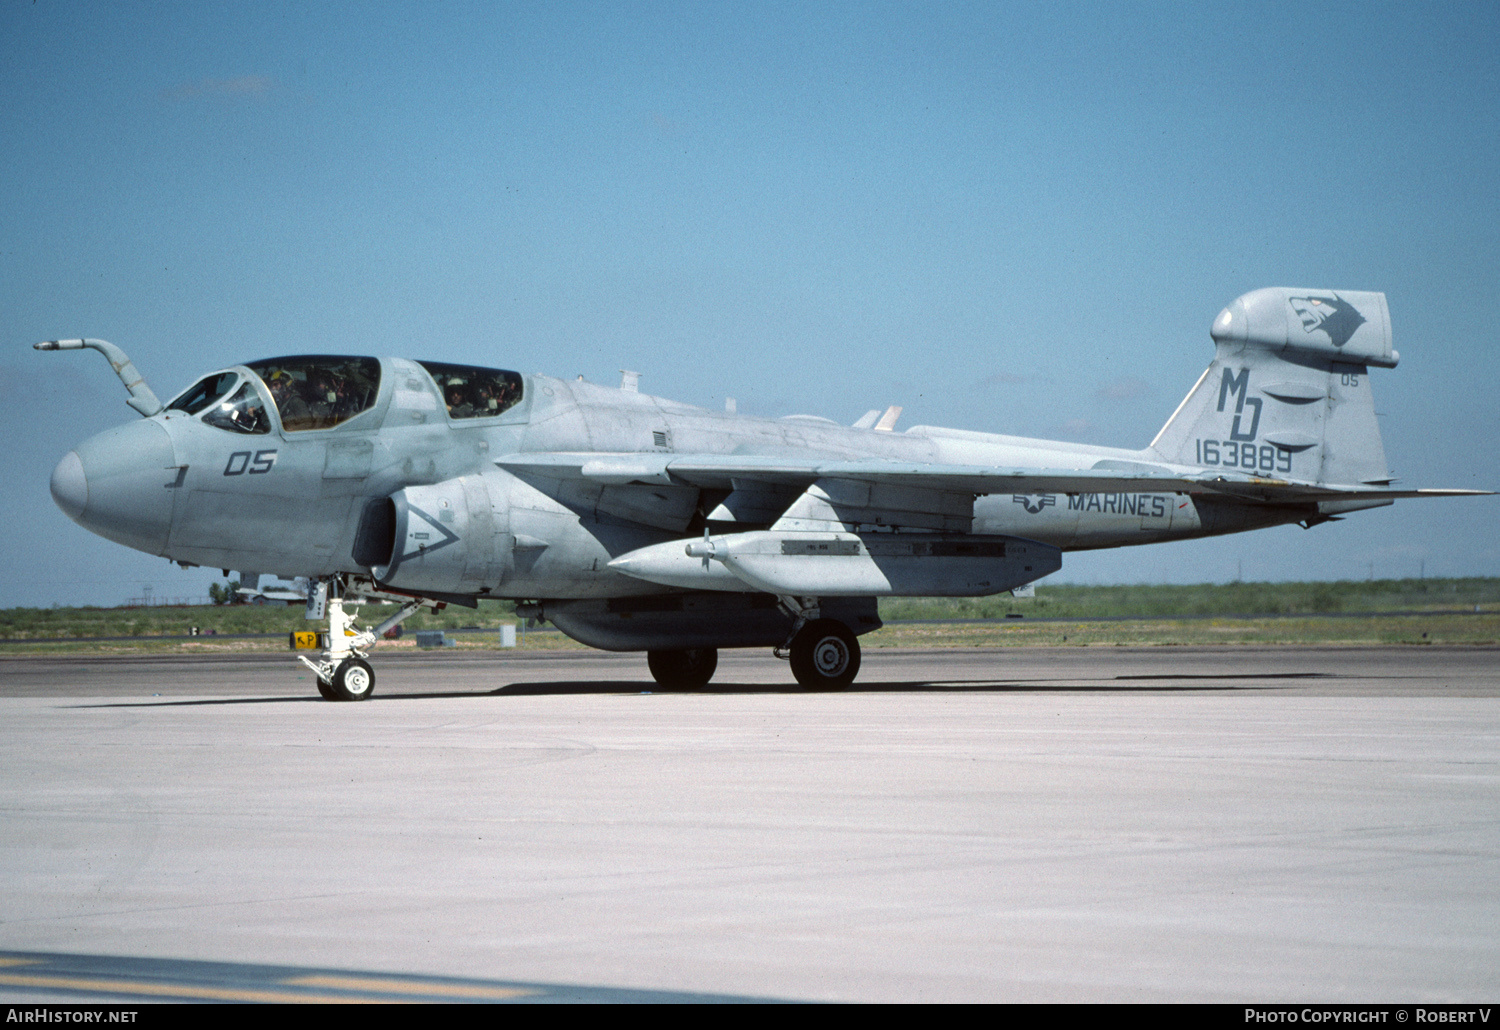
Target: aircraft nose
{"points": [[70, 487], [114, 484]]}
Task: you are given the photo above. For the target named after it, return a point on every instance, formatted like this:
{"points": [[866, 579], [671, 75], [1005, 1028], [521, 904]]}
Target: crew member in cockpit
{"points": [[458, 405], [293, 408]]}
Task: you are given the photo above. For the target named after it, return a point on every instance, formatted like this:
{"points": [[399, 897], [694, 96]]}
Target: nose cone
{"points": [[70, 487], [115, 484]]}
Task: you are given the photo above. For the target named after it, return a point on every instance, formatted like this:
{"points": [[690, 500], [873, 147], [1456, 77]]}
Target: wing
{"points": [[907, 489], [812, 526]]}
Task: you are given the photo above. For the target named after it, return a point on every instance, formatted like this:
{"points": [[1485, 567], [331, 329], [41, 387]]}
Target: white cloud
{"points": [[243, 86], [1124, 389]]}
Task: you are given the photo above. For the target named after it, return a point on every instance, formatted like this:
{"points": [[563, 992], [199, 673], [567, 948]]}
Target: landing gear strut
{"points": [[343, 674]]}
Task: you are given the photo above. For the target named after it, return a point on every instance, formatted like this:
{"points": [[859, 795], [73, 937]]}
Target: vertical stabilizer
{"points": [[1288, 393]]}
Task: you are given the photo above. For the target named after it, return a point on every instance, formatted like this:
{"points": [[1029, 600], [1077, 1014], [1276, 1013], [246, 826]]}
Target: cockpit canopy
{"points": [[472, 392], [319, 391]]}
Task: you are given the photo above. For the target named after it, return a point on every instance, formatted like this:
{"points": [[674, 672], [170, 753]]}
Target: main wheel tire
{"points": [[353, 680], [825, 655], [683, 670]]}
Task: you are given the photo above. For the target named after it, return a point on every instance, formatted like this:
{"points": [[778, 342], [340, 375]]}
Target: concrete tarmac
{"points": [[1080, 824]]}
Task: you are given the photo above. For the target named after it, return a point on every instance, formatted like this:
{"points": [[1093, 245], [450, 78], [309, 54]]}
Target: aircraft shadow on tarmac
{"points": [[1171, 683], [122, 978], [1045, 686]]}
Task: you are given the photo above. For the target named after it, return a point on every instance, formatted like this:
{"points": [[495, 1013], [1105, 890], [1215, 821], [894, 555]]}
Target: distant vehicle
{"points": [[634, 523], [280, 593]]}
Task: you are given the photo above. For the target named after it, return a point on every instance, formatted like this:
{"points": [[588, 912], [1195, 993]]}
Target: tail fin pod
{"points": [[1288, 392]]}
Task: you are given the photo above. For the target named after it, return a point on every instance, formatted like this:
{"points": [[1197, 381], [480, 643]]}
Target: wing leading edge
{"points": [[715, 471]]}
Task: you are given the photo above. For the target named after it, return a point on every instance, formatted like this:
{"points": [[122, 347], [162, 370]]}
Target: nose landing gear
{"points": [[342, 672]]}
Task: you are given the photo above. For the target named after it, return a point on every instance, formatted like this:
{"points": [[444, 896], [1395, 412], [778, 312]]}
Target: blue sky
{"points": [[1018, 218]]}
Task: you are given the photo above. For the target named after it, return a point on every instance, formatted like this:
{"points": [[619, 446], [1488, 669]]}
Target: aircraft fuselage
{"points": [[291, 503]]}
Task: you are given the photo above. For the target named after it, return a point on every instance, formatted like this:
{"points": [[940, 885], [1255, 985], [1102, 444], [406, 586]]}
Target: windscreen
{"points": [[319, 391], [203, 393], [242, 413]]}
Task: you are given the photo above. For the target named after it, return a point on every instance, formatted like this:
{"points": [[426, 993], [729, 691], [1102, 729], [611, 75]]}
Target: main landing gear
{"points": [[824, 654], [683, 670], [342, 672]]}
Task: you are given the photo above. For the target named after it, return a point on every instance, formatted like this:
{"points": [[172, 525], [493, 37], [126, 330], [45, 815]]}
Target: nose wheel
{"points": [[348, 679], [353, 680]]}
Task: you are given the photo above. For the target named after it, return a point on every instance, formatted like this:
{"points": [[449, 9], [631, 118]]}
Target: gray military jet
{"points": [[634, 523]]}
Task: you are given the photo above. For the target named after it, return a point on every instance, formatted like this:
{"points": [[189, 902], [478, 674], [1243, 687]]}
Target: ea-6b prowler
{"points": [[634, 523]]}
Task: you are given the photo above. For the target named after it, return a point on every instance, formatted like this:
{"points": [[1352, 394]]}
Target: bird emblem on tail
{"points": [[1333, 315]]}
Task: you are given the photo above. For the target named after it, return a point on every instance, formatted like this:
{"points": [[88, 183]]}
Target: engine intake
{"points": [[447, 538]]}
